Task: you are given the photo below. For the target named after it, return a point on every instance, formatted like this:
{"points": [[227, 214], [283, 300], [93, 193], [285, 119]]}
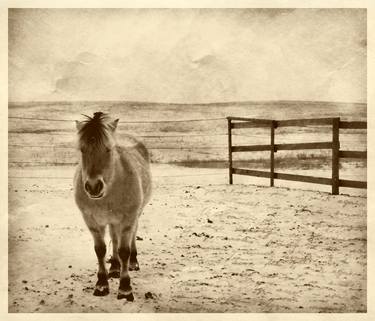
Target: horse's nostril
{"points": [[87, 187], [98, 187]]}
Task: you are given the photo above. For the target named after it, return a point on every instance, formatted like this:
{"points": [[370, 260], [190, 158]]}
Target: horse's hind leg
{"points": [[101, 287], [134, 265], [114, 270], [125, 289]]}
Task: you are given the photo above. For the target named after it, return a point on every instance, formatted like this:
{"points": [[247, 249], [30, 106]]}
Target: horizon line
{"points": [[183, 104]]}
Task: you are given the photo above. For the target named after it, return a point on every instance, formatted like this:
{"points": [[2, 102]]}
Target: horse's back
{"points": [[142, 150], [137, 157], [132, 145]]}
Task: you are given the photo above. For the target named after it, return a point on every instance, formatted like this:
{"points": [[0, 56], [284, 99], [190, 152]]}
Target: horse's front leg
{"points": [[114, 270], [125, 289], [102, 286]]}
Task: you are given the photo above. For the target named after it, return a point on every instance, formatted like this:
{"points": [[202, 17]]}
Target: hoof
{"points": [[114, 274], [129, 297], [133, 266], [101, 290]]}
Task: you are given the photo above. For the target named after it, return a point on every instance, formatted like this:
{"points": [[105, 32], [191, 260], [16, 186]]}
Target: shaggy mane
{"points": [[95, 130]]}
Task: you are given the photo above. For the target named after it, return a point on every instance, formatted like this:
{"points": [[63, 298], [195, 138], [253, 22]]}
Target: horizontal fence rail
{"points": [[352, 154], [353, 124], [334, 146], [252, 148], [253, 122]]}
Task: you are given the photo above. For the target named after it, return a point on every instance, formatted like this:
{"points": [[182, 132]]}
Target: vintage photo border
{"points": [[4, 5]]}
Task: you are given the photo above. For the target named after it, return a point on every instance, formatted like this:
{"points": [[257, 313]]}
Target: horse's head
{"points": [[96, 143]]}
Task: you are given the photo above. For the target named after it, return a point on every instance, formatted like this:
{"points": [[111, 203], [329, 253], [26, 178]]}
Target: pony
{"points": [[112, 185]]}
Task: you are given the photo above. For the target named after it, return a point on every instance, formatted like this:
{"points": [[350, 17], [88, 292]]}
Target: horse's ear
{"points": [[79, 125], [113, 124]]}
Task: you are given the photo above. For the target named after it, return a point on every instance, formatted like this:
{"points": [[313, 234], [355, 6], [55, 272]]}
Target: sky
{"points": [[187, 55]]}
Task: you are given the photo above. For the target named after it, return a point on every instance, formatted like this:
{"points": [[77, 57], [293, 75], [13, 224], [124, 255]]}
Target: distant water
{"points": [[49, 135], [157, 111]]}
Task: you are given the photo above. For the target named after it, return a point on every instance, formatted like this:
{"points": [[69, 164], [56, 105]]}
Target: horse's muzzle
{"points": [[95, 188]]}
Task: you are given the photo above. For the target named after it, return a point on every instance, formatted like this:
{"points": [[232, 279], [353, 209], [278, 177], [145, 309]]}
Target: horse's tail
{"points": [[141, 148]]}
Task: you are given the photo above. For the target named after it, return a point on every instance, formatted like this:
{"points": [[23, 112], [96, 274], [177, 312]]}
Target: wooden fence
{"points": [[334, 145]]}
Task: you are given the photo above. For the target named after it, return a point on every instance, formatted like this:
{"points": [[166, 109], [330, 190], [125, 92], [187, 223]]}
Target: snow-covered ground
{"points": [[205, 246]]}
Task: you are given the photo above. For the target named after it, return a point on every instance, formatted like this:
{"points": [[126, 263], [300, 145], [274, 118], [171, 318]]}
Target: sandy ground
{"points": [[204, 246]]}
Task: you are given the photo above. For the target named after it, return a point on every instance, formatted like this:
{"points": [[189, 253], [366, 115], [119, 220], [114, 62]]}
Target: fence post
{"points": [[230, 166], [272, 154], [335, 155]]}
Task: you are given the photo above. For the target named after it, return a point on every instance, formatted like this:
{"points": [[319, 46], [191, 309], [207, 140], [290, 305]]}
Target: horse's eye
{"points": [[108, 150]]}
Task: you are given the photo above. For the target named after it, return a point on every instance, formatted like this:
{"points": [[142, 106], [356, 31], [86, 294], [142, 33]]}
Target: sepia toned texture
{"points": [[172, 76], [187, 55]]}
